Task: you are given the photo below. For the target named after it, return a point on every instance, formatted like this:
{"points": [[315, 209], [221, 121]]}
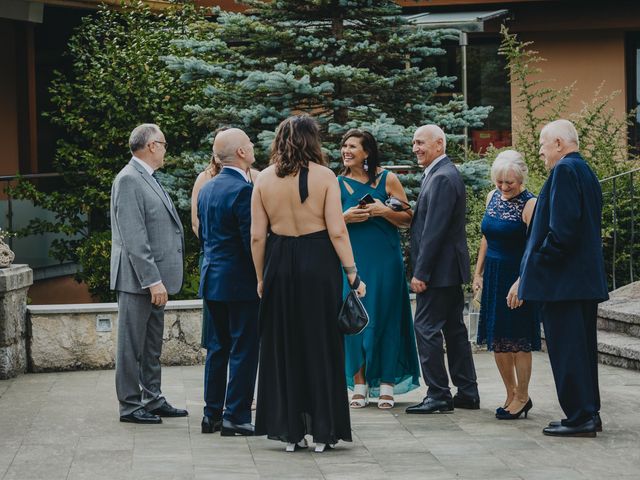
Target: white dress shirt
{"points": [[432, 164], [144, 164], [239, 170]]}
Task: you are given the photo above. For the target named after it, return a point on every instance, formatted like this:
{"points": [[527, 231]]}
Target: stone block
{"points": [[14, 283], [15, 277], [13, 309], [75, 337], [13, 360]]}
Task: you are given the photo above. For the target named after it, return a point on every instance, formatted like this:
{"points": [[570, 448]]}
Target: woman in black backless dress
{"points": [[301, 384]]}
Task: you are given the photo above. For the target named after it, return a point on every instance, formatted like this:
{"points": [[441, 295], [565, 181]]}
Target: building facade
{"points": [[593, 44]]}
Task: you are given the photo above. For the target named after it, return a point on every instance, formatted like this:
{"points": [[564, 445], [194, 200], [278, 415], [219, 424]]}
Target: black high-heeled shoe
{"points": [[506, 415]]}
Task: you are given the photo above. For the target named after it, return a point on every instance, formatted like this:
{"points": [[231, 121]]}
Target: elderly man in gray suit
{"points": [[147, 242], [440, 260]]}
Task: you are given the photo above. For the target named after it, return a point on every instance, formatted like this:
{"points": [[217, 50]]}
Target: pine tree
{"points": [[349, 63]]}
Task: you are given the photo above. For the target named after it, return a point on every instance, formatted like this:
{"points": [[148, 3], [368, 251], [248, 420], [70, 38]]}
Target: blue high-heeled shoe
{"points": [[506, 415]]}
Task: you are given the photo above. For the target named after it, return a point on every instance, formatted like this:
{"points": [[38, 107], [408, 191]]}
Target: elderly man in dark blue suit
{"points": [[228, 285], [563, 269]]}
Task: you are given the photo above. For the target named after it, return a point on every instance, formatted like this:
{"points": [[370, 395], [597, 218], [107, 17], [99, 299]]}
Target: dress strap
{"points": [[303, 183], [383, 179]]}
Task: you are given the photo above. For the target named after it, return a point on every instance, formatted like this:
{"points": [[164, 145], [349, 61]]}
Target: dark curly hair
{"points": [[370, 146], [296, 144]]}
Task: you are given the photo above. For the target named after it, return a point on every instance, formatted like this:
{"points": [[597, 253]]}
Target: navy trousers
{"points": [[232, 345], [571, 335]]}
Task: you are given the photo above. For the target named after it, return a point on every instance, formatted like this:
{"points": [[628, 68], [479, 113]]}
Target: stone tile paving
{"points": [[65, 426]]}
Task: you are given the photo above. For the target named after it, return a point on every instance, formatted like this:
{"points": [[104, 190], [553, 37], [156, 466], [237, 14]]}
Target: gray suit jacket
{"points": [[147, 240], [439, 251]]}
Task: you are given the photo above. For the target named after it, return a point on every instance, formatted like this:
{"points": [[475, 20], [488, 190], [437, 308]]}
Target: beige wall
{"points": [[587, 58]]}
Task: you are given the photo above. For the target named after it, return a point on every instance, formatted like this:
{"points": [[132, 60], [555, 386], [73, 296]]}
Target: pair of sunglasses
{"points": [[397, 205]]}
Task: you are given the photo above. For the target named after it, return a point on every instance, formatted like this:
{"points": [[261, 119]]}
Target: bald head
{"points": [[233, 147], [429, 143], [557, 139], [434, 132]]}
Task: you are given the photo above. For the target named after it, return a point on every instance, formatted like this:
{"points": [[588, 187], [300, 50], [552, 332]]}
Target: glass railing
{"points": [[15, 214]]}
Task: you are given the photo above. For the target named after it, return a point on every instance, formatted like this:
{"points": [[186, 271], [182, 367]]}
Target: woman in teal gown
{"points": [[381, 361]]}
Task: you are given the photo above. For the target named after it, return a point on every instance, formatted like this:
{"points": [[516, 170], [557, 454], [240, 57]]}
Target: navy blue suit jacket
{"points": [[563, 257], [224, 212], [439, 252]]}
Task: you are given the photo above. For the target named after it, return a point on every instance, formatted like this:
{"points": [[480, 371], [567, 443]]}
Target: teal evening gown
{"points": [[387, 346]]}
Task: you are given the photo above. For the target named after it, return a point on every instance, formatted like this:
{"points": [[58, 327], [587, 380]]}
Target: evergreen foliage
{"points": [[349, 63], [116, 82]]}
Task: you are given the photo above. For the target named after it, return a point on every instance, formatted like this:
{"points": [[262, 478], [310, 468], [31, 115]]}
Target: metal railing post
{"points": [[615, 233], [620, 243]]}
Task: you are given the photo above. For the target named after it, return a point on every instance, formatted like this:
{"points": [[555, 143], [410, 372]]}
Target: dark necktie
{"points": [[155, 177]]}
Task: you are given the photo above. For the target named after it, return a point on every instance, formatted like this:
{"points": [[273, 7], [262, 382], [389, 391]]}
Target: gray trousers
{"points": [[140, 328], [438, 312]]}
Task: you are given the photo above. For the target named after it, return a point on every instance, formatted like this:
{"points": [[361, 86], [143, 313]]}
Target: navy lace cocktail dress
{"points": [[500, 328]]}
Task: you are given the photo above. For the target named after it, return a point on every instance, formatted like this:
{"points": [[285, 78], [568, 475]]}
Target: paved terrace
{"points": [[65, 426]]}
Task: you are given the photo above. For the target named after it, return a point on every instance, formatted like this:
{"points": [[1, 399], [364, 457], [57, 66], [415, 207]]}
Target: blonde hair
{"points": [[509, 161]]}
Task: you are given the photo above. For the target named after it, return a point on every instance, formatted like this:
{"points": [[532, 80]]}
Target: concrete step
{"points": [[619, 350], [621, 313]]}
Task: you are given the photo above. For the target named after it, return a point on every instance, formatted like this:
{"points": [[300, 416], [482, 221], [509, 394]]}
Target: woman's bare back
{"points": [[282, 201]]}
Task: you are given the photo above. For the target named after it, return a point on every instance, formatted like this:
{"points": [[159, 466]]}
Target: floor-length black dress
{"points": [[301, 385]]}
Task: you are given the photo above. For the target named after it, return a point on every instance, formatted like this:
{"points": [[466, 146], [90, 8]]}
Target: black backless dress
{"points": [[301, 385]]}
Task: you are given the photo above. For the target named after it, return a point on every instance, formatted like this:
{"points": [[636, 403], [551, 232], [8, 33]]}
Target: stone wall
{"points": [[14, 283], [83, 336]]}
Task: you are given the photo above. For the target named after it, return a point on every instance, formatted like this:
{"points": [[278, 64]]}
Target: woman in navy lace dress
{"points": [[511, 334]]}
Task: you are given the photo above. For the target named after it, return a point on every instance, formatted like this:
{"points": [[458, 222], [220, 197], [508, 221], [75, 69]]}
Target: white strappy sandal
{"points": [[292, 447], [359, 389], [321, 447], [386, 403]]}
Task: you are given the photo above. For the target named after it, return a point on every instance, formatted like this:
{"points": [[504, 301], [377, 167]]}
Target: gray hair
{"points": [[509, 161], [141, 135], [563, 129]]}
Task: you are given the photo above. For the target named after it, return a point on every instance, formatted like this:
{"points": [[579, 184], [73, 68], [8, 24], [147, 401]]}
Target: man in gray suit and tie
{"points": [[147, 242], [440, 260]]}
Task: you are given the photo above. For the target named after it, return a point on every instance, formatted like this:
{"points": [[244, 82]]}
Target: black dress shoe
{"points": [[210, 424], [596, 417], [431, 405], [230, 429], [140, 416], [166, 410], [587, 429], [463, 401]]}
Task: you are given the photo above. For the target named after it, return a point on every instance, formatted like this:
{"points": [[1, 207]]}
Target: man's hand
{"points": [[418, 286], [159, 295], [512, 297]]}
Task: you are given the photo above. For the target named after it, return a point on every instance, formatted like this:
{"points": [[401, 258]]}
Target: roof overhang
{"points": [[32, 10], [22, 10], [464, 21]]}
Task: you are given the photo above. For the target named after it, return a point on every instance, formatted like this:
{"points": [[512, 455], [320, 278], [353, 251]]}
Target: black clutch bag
{"points": [[353, 317]]}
